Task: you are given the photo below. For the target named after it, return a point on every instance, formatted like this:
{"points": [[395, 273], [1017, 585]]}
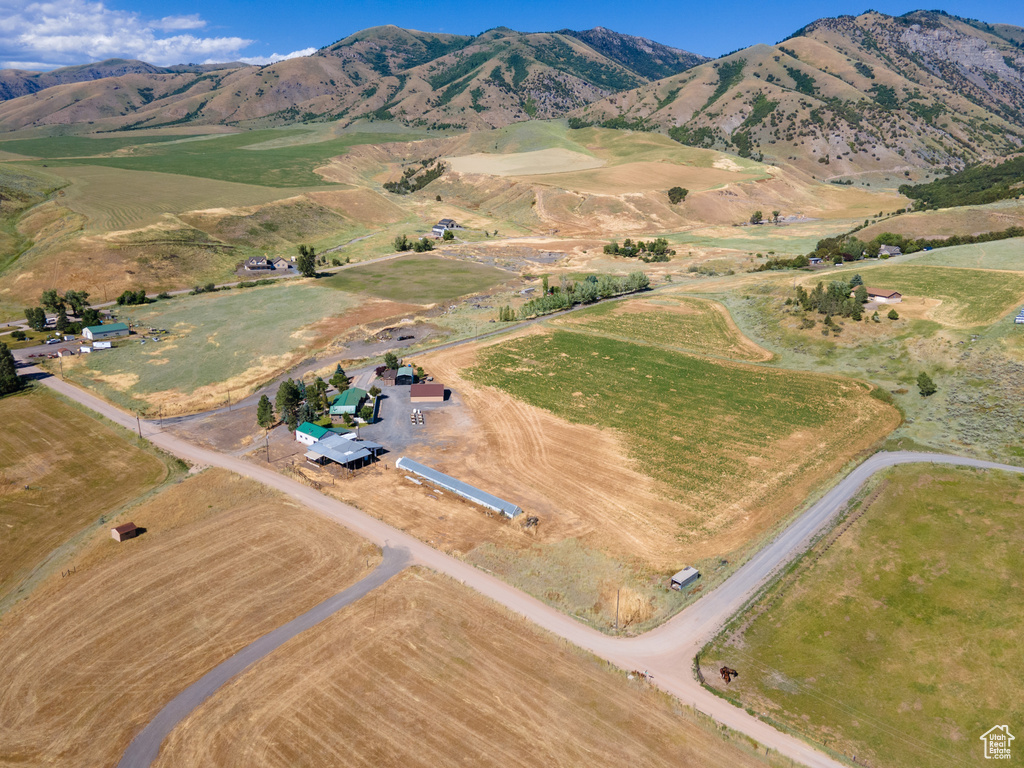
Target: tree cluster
{"points": [[585, 291], [133, 298], [677, 195], [411, 182], [403, 243], [831, 301], [655, 250], [972, 186]]}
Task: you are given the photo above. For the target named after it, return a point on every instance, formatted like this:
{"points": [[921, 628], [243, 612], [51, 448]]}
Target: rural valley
{"points": [[520, 398]]}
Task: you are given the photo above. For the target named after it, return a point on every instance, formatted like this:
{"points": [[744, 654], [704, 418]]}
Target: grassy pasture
{"points": [[424, 672], [901, 644], [1000, 254], [223, 561], [978, 297], [219, 343], [59, 471], [232, 157], [78, 146], [726, 440], [682, 324], [418, 279]]}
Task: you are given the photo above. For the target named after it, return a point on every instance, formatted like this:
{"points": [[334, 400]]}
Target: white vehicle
{"points": [[101, 345]]}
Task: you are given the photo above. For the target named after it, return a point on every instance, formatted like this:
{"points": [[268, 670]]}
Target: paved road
{"points": [[145, 746], [667, 651]]}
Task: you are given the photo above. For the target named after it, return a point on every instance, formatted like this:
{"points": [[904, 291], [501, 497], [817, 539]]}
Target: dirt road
{"points": [[666, 652]]}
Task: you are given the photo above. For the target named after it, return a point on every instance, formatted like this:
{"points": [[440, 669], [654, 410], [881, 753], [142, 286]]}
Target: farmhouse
{"points": [[889, 250], [884, 295], [348, 401], [257, 263], [94, 332], [405, 375], [126, 531], [307, 433], [466, 491], [387, 378], [686, 576], [344, 450], [426, 393]]}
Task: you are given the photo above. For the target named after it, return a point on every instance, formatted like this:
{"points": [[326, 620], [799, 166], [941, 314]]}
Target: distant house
{"points": [[280, 263], [405, 375], [126, 531], [307, 433], [889, 250], [884, 295], [263, 264], [94, 332], [426, 393], [814, 261], [348, 401], [443, 226], [387, 378]]}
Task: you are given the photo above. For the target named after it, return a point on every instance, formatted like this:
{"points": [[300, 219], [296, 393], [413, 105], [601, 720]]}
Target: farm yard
{"points": [[424, 672], [100, 652], [60, 470], [900, 644]]}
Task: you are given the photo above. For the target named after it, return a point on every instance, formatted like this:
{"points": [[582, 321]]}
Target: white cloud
{"points": [[63, 32], [274, 57]]}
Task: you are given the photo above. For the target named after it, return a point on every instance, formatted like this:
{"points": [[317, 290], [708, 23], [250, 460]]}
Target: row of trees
{"points": [[403, 243], [585, 291], [410, 182], [655, 250]]}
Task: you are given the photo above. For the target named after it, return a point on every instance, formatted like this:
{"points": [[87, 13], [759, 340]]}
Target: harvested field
{"points": [[90, 659], [541, 161], [424, 672], [217, 348], [682, 324], [60, 469], [418, 279], [901, 643], [648, 176], [964, 220], [970, 297]]}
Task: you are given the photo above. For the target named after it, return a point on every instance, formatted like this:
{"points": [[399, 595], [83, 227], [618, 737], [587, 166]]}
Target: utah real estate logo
{"points": [[997, 742]]}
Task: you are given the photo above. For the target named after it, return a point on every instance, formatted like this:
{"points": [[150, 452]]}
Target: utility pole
{"points": [[617, 591], [138, 423], [267, 438], [60, 357]]}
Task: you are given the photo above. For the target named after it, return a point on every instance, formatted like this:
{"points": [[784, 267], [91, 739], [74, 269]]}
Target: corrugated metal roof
{"points": [[106, 328], [313, 430], [350, 396], [465, 490], [686, 574], [338, 449], [427, 390], [405, 370]]}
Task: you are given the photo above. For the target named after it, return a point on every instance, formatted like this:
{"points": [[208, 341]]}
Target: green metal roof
{"points": [[350, 396], [405, 370], [313, 430], [106, 328]]}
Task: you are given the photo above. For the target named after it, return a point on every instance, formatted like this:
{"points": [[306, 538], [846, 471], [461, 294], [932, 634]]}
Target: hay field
{"points": [[964, 220], [677, 323], [541, 161], [646, 176], [60, 470], [901, 644], [969, 297], [90, 659], [1000, 254], [735, 447], [424, 672], [418, 279], [220, 345]]}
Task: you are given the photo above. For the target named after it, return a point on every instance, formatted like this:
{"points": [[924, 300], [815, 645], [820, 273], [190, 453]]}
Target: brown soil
{"points": [[424, 672], [89, 659]]}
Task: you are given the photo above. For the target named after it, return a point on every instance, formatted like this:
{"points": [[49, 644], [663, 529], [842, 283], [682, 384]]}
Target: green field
{"points": [[682, 324], [713, 433], [78, 146], [970, 297], [418, 279], [60, 469], [224, 342], [901, 645], [233, 157], [999, 254]]}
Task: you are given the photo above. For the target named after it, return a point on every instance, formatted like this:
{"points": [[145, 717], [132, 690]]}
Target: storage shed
{"points": [[426, 393], [466, 491], [685, 577], [126, 531], [405, 375], [387, 378], [93, 332]]}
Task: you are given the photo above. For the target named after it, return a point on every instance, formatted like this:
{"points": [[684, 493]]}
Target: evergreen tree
{"points": [[926, 385], [91, 317], [893, 315], [288, 399], [306, 262], [10, 381], [265, 413], [861, 294], [339, 380], [62, 321], [856, 280], [391, 360]]}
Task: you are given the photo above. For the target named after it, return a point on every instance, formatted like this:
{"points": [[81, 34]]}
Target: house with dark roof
{"points": [[884, 295], [889, 250]]}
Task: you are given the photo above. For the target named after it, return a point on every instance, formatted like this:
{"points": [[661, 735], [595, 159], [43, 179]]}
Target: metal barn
{"points": [[466, 491]]}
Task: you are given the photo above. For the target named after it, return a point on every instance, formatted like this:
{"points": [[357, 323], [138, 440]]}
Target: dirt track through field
{"points": [[665, 651]]}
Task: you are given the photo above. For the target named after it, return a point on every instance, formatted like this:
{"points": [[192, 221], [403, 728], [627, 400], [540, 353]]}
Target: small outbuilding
{"points": [[387, 377], [126, 531], [685, 577], [94, 332], [405, 375], [426, 393]]}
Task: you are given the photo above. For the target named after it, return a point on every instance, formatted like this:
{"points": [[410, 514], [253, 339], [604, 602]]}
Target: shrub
{"points": [[893, 315], [926, 385]]}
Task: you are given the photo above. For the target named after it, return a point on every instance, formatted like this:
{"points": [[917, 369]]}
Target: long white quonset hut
{"points": [[466, 491]]}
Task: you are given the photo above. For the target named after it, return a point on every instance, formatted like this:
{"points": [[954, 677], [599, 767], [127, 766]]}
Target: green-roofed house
{"points": [[348, 401], [99, 332], [307, 433], [405, 375]]}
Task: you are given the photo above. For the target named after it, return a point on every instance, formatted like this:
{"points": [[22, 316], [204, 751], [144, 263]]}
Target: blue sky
{"points": [[42, 35]]}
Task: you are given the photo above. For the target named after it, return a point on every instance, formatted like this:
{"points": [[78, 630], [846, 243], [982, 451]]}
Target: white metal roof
{"points": [[465, 490]]}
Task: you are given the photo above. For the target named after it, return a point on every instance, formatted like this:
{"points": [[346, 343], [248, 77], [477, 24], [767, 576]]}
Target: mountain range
{"points": [[841, 96]]}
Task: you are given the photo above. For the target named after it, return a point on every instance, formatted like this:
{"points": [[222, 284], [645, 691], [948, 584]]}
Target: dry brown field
{"points": [[60, 469], [88, 660], [424, 672]]}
